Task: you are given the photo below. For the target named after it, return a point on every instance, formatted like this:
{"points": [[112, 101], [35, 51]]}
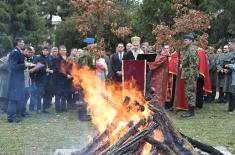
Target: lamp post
{"points": [[55, 20]]}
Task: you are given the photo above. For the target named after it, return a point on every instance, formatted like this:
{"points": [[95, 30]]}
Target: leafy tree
{"points": [[19, 18], [104, 20], [67, 34], [151, 13], [62, 8], [222, 13], [5, 38]]}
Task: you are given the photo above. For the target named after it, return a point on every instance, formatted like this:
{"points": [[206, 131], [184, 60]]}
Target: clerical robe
{"points": [[172, 66], [159, 78]]}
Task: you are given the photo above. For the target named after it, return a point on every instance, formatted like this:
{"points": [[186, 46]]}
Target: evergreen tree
{"points": [[62, 8], [222, 15], [48, 8], [67, 34], [20, 19], [5, 38], [149, 14]]}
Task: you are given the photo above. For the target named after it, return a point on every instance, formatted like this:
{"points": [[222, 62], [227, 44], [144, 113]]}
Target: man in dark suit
{"points": [[16, 82], [116, 63]]}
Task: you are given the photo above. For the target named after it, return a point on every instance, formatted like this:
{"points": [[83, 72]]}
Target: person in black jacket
{"points": [[41, 72], [116, 63], [62, 77], [16, 82]]}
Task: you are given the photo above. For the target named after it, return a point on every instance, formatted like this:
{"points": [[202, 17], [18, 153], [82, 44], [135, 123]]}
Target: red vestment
{"points": [[172, 70], [159, 78], [173, 62], [204, 71]]}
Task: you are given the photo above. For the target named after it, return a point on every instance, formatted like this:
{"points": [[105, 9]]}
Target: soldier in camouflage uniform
{"points": [[189, 73], [85, 58]]}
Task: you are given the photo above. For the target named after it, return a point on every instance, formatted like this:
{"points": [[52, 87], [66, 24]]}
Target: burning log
{"points": [[172, 130], [133, 130], [155, 131], [159, 145], [204, 147], [96, 141], [136, 139]]}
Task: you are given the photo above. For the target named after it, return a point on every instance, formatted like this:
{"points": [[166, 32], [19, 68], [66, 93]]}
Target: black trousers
{"points": [[199, 92], [231, 97]]}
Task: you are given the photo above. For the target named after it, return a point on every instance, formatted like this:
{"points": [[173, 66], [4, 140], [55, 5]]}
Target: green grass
{"points": [[212, 125], [43, 133]]}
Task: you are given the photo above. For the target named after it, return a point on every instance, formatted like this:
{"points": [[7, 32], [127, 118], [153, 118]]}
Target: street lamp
{"points": [[55, 20]]}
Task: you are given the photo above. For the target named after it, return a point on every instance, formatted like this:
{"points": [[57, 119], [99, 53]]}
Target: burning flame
{"points": [[158, 135], [147, 148], [106, 105]]}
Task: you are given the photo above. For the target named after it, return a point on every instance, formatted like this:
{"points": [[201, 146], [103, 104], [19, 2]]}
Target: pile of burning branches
{"points": [[152, 135]]}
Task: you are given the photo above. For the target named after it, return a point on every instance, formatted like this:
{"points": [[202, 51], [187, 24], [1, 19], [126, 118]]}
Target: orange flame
{"points": [[106, 105], [147, 148], [158, 135]]}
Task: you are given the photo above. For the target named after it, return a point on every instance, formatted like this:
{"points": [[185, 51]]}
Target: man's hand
{"points": [[180, 65], [69, 76], [119, 73], [225, 71], [182, 75], [29, 64], [48, 70]]}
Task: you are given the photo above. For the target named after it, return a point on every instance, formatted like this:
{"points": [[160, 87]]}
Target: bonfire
{"points": [[127, 123]]}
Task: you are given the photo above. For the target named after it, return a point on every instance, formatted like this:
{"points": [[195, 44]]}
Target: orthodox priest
{"points": [[159, 77], [134, 70], [135, 50]]}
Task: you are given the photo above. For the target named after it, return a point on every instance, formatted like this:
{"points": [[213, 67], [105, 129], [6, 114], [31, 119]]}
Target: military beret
{"points": [[89, 40], [189, 36]]}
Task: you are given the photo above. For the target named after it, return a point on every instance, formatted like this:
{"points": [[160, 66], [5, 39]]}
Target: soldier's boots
{"points": [[189, 113]]}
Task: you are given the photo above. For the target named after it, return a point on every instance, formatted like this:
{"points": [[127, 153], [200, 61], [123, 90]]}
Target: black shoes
{"points": [[189, 113], [45, 112], [16, 120]]}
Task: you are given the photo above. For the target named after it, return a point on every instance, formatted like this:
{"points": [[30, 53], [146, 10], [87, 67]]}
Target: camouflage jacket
{"points": [[190, 62], [85, 59]]}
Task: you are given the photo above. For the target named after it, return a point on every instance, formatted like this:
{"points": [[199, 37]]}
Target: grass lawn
{"points": [[43, 133], [212, 125]]}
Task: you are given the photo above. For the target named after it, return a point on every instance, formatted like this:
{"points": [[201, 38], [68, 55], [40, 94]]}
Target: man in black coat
{"points": [[16, 82], [62, 77], [41, 72], [116, 63]]}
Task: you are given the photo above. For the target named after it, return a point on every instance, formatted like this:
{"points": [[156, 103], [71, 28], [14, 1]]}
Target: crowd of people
{"points": [[37, 79]]}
